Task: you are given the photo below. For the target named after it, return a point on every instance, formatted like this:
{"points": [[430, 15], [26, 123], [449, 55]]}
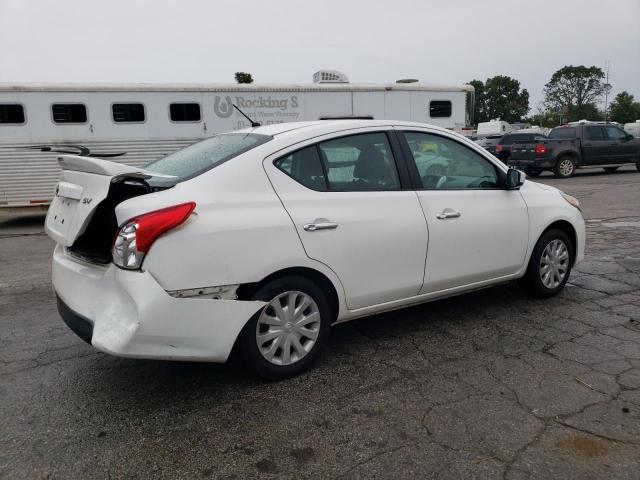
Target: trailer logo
{"points": [[223, 109]]}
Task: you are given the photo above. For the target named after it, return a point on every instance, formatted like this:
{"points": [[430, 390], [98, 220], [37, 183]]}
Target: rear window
{"points": [[519, 137], [440, 108], [563, 133], [205, 155]]}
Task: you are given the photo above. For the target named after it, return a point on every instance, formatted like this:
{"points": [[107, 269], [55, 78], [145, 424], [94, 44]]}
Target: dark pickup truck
{"points": [[588, 145]]}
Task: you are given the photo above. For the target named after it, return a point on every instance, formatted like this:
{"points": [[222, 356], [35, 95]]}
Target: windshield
{"points": [[205, 155], [563, 133]]}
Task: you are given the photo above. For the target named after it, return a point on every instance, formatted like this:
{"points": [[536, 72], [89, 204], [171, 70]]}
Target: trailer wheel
{"points": [[565, 167]]}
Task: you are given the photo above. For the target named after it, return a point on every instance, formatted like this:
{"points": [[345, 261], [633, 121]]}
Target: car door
{"points": [[619, 149], [352, 213], [595, 146], [478, 231]]}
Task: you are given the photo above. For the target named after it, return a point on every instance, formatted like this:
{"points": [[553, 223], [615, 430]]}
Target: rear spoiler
{"points": [[102, 167]]}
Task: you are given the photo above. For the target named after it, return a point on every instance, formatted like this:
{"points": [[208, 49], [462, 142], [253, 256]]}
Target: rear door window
{"points": [[361, 162], [595, 133], [305, 167]]}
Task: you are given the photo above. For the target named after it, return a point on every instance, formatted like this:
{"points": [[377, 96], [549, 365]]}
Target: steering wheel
{"points": [[486, 181], [441, 181]]}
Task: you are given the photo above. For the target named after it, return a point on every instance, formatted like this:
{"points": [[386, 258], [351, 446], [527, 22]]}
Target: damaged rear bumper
{"points": [[128, 314]]}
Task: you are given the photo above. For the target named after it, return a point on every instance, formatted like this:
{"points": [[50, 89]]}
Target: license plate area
{"points": [[61, 215]]}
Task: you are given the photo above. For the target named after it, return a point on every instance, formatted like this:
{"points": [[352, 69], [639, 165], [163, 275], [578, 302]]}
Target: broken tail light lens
{"points": [[135, 237]]}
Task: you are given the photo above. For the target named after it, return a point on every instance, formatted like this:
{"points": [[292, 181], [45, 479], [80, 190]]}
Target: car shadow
{"points": [[134, 382]]}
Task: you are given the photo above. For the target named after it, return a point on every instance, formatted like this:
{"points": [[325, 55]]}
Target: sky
{"points": [[286, 41]]}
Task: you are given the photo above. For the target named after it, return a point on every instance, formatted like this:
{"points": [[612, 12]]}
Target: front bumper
{"points": [[128, 314]]}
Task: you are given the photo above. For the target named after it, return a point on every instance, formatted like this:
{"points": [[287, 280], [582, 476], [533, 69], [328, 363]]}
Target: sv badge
{"points": [[87, 200]]}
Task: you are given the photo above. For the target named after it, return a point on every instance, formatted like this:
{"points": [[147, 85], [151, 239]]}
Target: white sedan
{"points": [[263, 238]]}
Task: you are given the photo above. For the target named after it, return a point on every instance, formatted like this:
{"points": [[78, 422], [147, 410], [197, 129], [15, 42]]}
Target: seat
{"points": [[372, 171]]}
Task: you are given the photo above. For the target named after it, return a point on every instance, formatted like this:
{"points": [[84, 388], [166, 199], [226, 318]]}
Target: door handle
{"points": [[448, 213], [312, 227]]}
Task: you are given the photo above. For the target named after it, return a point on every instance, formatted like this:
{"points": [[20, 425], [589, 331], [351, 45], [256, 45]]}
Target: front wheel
{"points": [[549, 266], [286, 336], [565, 167], [610, 169]]}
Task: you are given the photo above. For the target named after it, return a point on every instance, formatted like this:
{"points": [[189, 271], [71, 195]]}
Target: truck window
{"points": [[563, 133], [614, 133], [595, 133]]}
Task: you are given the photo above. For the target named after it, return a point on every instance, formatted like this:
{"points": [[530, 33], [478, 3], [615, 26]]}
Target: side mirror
{"points": [[515, 178], [629, 137]]}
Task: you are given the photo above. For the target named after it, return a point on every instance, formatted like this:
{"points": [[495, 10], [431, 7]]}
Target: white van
{"points": [[633, 128]]}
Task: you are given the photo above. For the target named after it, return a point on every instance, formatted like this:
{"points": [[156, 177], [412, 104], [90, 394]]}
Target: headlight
{"points": [[573, 201]]}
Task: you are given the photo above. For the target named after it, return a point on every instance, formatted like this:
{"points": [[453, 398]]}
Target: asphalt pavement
{"points": [[486, 385]]}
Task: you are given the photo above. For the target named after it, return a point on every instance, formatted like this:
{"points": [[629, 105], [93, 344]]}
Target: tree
{"points": [[243, 77], [479, 105], [500, 97], [624, 108], [574, 92], [504, 99]]}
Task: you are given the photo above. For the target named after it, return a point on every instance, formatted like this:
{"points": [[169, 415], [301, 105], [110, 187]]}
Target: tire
{"points": [[610, 169], [318, 318], [565, 167], [533, 172], [534, 281], [638, 165]]}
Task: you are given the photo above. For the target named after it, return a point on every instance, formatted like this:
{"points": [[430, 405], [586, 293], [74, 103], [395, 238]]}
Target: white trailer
{"points": [[135, 124]]}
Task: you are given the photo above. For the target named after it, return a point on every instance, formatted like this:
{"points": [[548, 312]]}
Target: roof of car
{"points": [[325, 126]]}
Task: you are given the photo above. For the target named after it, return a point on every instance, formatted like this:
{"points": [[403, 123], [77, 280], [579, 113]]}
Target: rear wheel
{"points": [[565, 167], [610, 169], [286, 336], [549, 266], [533, 172]]}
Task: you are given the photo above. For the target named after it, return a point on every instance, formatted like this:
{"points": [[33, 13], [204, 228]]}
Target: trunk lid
{"points": [[85, 185]]}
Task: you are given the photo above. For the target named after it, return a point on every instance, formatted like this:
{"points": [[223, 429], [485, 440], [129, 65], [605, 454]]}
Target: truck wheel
{"points": [[610, 169], [533, 172], [565, 167]]}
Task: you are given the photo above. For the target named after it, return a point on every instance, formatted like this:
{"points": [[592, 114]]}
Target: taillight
{"points": [[498, 148], [137, 235], [541, 149]]}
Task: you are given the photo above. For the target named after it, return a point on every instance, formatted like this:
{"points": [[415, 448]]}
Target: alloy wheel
{"points": [[288, 328], [554, 264], [566, 167]]}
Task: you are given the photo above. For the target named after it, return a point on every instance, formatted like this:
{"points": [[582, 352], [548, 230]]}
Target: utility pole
{"points": [[606, 94]]}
